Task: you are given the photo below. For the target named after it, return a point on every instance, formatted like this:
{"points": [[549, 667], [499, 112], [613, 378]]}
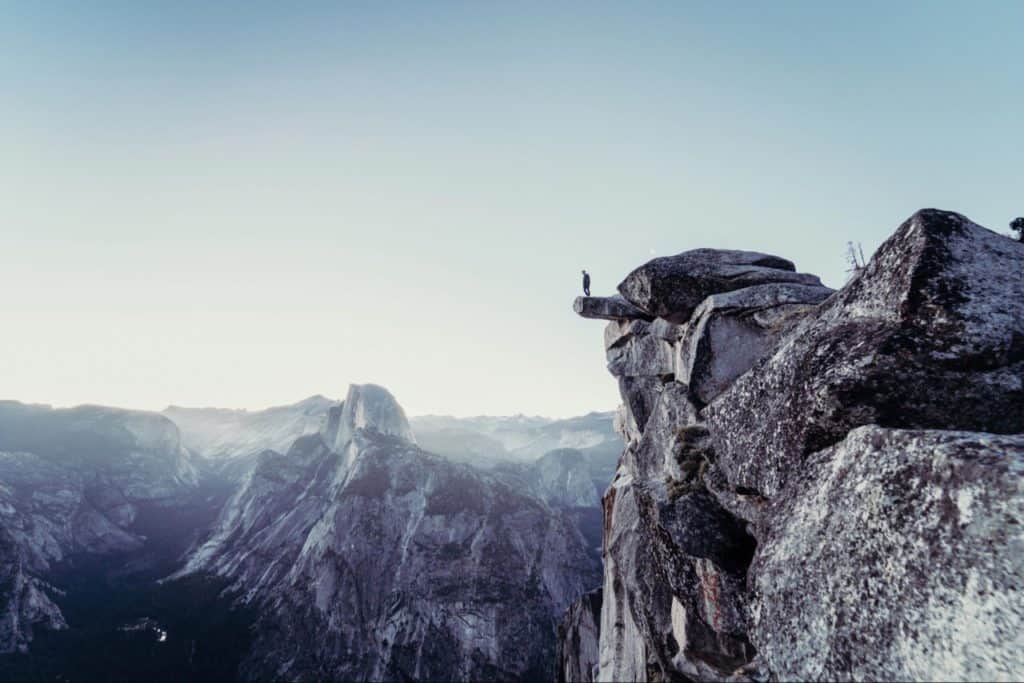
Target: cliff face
{"points": [[816, 485], [368, 558], [74, 482]]}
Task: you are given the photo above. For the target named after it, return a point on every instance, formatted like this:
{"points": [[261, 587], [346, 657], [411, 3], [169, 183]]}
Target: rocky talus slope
{"points": [[816, 485], [368, 558]]}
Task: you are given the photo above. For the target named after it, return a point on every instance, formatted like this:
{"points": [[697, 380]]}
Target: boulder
{"points": [[929, 335], [671, 287], [896, 555], [729, 332], [608, 308], [757, 529]]}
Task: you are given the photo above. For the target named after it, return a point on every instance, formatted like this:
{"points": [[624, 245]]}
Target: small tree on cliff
{"points": [[1017, 225], [855, 259]]}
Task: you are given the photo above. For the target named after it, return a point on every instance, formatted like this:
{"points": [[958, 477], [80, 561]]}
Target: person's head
{"points": [[584, 272]]}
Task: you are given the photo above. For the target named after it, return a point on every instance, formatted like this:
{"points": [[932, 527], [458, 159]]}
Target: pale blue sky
{"points": [[241, 204]]}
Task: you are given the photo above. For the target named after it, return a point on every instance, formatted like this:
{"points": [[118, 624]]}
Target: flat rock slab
{"points": [[608, 308], [671, 287]]}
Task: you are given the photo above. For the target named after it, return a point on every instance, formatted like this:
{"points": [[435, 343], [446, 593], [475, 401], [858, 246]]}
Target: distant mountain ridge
{"points": [[229, 433], [525, 437], [309, 518], [218, 433]]}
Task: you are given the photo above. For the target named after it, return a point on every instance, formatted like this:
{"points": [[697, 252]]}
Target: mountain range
{"points": [[206, 542]]}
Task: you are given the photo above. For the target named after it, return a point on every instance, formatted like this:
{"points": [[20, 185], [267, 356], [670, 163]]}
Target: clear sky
{"points": [[241, 204]]}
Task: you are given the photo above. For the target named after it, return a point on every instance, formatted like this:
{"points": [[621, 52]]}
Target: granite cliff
{"points": [[368, 558], [816, 485]]}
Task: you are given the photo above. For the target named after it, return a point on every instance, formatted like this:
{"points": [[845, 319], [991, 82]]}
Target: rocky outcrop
{"points": [[671, 287], [608, 308], [818, 485], [371, 559]]}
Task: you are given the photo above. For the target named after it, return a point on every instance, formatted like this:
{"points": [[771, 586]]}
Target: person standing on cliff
{"points": [[586, 283]]}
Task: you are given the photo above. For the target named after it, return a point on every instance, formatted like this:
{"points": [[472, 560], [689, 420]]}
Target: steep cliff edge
{"points": [[815, 485]]}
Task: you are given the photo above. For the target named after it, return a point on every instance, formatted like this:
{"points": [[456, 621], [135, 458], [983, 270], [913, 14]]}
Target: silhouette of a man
{"points": [[586, 283]]}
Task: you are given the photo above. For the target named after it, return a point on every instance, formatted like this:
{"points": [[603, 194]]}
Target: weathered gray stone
{"points": [[897, 555], [634, 635], [668, 542], [729, 332], [745, 505], [659, 451], [607, 308], [670, 332], [641, 356], [578, 641], [660, 552], [639, 395], [618, 332], [929, 334], [671, 287], [625, 426]]}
